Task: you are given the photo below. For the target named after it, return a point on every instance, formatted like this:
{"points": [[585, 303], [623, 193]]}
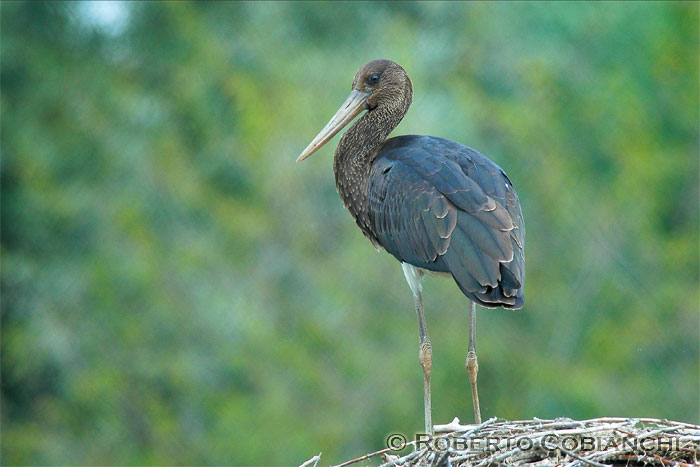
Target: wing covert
{"points": [[428, 208]]}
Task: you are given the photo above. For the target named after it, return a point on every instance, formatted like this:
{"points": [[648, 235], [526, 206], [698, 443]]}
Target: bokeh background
{"points": [[177, 290]]}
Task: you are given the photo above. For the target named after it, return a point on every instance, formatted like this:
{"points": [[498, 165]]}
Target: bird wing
{"points": [[428, 211]]}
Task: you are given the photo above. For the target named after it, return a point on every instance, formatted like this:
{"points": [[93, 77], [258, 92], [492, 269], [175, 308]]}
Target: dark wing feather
{"points": [[410, 217], [441, 206]]}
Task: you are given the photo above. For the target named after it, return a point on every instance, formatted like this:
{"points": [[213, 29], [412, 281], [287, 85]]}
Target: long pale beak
{"points": [[353, 105]]}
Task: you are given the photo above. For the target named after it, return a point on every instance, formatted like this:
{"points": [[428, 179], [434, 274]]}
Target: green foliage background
{"points": [[176, 290]]}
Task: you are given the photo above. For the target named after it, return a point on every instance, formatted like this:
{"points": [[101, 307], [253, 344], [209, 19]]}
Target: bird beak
{"points": [[353, 105]]}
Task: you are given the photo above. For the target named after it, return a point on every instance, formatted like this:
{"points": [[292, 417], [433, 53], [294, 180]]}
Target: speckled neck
{"points": [[357, 150]]}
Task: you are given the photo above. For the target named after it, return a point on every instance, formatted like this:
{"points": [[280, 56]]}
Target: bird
{"points": [[437, 206]]}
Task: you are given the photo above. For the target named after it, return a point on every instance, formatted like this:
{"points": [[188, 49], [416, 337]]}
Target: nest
{"points": [[561, 442]]}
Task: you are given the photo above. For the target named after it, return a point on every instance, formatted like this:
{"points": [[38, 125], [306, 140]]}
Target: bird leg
{"points": [[414, 276], [425, 356], [472, 364]]}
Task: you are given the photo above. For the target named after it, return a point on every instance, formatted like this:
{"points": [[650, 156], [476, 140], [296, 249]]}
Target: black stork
{"points": [[437, 206]]}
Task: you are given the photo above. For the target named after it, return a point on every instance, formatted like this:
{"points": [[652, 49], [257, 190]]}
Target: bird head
{"points": [[379, 85]]}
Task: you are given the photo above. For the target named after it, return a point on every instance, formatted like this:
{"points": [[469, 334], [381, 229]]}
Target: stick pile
{"points": [[537, 443]]}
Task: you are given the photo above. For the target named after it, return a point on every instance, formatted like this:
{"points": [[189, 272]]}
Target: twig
{"points": [[454, 425], [581, 458], [404, 459], [463, 446], [314, 459], [365, 457], [650, 457]]}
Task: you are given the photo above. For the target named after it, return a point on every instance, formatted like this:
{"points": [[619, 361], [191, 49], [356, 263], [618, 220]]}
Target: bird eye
{"points": [[373, 79]]}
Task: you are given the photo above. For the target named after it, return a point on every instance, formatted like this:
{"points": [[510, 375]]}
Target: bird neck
{"points": [[361, 141], [357, 150]]}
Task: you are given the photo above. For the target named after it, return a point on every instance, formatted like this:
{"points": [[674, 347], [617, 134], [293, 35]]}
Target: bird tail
{"points": [[509, 293]]}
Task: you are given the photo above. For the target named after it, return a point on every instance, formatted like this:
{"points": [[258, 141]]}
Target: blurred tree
{"points": [[175, 290]]}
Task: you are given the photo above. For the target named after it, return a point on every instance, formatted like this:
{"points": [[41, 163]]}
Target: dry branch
{"points": [[561, 442]]}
